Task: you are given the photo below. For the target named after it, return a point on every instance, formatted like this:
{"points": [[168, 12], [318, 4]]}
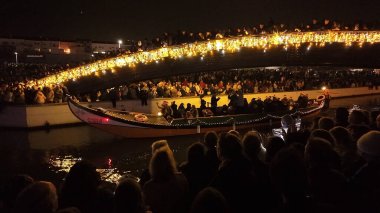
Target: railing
{"points": [[203, 48]]}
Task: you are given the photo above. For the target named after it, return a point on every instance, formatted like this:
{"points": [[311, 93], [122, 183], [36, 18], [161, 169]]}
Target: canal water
{"points": [[47, 155]]}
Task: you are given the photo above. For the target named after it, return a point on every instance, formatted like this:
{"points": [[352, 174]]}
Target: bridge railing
{"points": [[203, 48]]}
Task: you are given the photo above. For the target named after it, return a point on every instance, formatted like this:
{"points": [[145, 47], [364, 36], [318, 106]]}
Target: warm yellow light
{"points": [[228, 45]]}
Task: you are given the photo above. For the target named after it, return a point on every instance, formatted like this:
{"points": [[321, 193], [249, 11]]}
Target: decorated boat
{"points": [[139, 125]]}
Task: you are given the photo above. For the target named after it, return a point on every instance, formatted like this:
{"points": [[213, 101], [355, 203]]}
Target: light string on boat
{"points": [[232, 120], [208, 48], [229, 121]]}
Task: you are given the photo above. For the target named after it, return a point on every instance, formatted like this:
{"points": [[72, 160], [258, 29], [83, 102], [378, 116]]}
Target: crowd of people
{"points": [[254, 80], [331, 166], [15, 75], [24, 72], [226, 82], [23, 94], [237, 105], [183, 36]]}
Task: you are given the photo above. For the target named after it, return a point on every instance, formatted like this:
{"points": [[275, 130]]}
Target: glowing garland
{"points": [[230, 45]]}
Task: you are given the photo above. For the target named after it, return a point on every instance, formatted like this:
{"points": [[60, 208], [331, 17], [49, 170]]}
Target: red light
{"points": [[106, 119], [109, 162]]}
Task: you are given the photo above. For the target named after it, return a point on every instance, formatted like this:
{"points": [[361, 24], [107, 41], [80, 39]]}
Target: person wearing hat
{"points": [[366, 182]]}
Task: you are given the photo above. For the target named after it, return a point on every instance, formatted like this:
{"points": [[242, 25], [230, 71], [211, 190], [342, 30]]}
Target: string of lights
{"points": [[222, 120], [226, 45]]}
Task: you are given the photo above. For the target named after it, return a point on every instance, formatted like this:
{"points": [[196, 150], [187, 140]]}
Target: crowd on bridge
{"points": [[331, 166], [24, 72], [183, 36], [14, 76]]}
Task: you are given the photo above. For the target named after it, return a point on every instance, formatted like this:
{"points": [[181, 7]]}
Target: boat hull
{"points": [[133, 129]]}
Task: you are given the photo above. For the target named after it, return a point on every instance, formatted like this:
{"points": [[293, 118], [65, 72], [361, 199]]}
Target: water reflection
{"points": [[48, 155], [64, 163]]}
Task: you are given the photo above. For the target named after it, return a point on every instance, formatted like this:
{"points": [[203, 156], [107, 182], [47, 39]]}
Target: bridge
{"points": [[333, 48]]}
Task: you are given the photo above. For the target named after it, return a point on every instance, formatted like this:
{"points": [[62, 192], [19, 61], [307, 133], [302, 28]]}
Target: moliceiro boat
{"points": [[138, 125]]}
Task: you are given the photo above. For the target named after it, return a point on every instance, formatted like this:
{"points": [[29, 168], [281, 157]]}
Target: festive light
{"points": [[215, 120], [225, 45]]}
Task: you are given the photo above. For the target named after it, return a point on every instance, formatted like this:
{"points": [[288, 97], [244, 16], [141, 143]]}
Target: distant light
{"points": [[223, 52], [323, 88], [16, 53], [104, 71], [356, 70], [202, 58], [157, 62], [109, 162], [159, 113], [120, 41]]}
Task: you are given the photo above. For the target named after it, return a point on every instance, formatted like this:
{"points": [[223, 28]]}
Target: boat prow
{"points": [[139, 125]]}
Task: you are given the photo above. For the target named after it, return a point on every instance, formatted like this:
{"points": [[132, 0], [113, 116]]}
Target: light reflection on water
{"points": [[50, 154], [64, 163], [47, 155]]}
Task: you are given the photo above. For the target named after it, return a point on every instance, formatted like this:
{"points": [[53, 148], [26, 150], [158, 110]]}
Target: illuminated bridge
{"points": [[335, 48]]}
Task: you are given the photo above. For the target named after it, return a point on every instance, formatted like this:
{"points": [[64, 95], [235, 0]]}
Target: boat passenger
{"points": [[203, 104], [194, 111], [165, 109], [189, 115], [181, 110], [214, 102]]}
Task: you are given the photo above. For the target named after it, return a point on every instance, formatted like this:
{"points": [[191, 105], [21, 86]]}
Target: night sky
{"points": [[109, 20]]}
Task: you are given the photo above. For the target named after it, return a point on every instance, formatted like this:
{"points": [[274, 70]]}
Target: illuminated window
{"points": [[67, 51]]}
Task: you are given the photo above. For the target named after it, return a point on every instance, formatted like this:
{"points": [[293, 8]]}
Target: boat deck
{"points": [[240, 119], [130, 116]]}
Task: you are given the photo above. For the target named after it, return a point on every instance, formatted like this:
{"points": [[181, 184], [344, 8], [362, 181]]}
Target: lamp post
{"points": [[16, 53], [120, 42]]}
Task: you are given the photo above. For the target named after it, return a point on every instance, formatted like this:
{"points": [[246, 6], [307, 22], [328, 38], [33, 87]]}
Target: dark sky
{"points": [[109, 20]]}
